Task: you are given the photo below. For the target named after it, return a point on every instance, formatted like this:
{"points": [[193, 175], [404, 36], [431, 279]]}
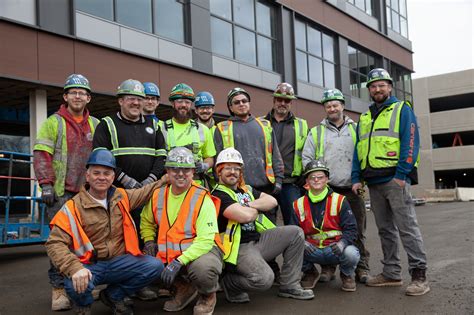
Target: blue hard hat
{"points": [[204, 99], [101, 156], [151, 89], [77, 81]]}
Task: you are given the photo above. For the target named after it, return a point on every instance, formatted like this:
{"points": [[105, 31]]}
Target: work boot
{"points": [[297, 293], [82, 310], [164, 293], [235, 297], [310, 278], [59, 300], [362, 275], [381, 281], [205, 304], [419, 285], [348, 283], [327, 273], [119, 307], [146, 294], [184, 294]]}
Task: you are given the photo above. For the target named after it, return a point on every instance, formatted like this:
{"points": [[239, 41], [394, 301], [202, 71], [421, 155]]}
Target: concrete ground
{"points": [[447, 229]]}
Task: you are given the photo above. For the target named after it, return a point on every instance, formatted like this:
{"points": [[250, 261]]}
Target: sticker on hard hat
{"points": [[183, 159], [137, 88], [149, 130]]}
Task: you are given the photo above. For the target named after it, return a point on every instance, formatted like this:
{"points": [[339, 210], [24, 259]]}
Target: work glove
{"points": [[150, 179], [128, 182], [48, 196], [338, 248], [201, 167], [309, 249], [150, 248], [276, 188], [170, 272]]}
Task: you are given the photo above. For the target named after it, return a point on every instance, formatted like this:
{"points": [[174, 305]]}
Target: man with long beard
{"points": [[182, 131]]}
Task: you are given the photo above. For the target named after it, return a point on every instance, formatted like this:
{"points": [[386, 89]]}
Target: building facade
{"points": [[212, 45], [444, 105]]}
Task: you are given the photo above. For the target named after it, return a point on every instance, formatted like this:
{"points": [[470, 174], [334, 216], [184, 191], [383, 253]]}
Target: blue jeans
{"points": [[124, 275], [289, 193], [324, 256]]}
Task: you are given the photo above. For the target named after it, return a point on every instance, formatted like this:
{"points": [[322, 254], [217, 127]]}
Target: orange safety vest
{"points": [[330, 230], [175, 239], [68, 219]]}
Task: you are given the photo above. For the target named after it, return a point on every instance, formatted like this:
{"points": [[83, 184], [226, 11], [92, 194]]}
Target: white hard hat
{"points": [[229, 155]]}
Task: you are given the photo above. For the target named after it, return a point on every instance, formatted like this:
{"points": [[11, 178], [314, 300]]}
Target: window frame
{"points": [[362, 92], [401, 20]]}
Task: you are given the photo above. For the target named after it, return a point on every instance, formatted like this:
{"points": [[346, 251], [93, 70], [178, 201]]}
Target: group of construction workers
{"points": [[190, 205]]}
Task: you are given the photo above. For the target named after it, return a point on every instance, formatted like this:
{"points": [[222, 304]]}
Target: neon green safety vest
{"points": [[118, 151], [318, 134], [301, 131], [197, 138], [231, 236], [55, 126], [379, 140], [227, 133]]}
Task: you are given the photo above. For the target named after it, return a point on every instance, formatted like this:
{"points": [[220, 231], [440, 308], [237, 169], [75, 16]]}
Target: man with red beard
{"points": [[61, 151], [182, 131], [386, 158]]}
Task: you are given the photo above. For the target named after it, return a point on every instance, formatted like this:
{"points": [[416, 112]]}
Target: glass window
{"points": [[402, 82], [314, 42], [317, 54], [221, 34], [328, 47], [100, 8], [245, 46], [364, 5], [249, 26], [403, 27], [315, 71], [395, 22], [169, 19], [221, 8], [300, 35], [397, 16], [354, 84], [135, 13], [368, 7], [352, 52], [244, 13], [301, 66], [264, 20], [360, 63], [266, 52]]}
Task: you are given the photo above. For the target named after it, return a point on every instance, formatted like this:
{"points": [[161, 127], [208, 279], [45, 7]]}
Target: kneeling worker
{"points": [[329, 226], [93, 240], [251, 239], [179, 226]]}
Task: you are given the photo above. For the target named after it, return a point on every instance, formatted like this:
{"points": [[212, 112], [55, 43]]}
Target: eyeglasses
{"points": [[283, 100], [377, 86], [132, 99], [236, 169], [316, 177], [177, 170], [78, 93], [237, 102]]}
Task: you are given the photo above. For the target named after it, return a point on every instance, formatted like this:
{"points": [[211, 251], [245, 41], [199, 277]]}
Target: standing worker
{"points": [[182, 131], [137, 144], [152, 101], [329, 226], [333, 141], [204, 109], [386, 158], [61, 151], [179, 226], [290, 133], [251, 239], [93, 240], [255, 140]]}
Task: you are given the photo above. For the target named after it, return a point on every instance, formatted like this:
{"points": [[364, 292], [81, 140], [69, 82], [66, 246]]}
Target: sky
{"points": [[441, 32]]}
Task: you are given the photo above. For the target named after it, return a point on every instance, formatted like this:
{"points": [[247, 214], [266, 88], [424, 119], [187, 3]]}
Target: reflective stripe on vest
{"points": [[197, 134], [68, 219], [318, 133], [231, 237], [117, 150], [330, 230], [226, 129]]}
